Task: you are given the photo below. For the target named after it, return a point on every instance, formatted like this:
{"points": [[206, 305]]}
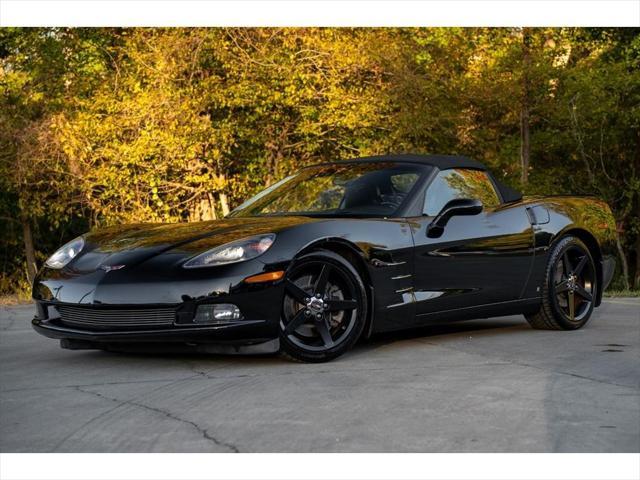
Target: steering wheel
{"points": [[393, 200]]}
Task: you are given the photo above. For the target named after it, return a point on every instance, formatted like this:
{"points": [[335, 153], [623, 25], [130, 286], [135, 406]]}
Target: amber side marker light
{"points": [[265, 277]]}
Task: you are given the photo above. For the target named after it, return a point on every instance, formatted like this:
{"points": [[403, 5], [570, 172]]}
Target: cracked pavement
{"points": [[491, 385]]}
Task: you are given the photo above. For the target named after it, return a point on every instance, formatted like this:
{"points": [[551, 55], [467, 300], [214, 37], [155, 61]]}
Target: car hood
{"points": [[133, 244]]}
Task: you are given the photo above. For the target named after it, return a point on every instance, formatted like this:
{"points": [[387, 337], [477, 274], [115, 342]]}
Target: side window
{"points": [[459, 183]]}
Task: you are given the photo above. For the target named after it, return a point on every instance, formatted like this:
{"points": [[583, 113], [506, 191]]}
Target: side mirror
{"points": [[455, 207]]}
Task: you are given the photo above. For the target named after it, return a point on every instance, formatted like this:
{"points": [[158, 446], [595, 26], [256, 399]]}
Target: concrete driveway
{"points": [[490, 385]]}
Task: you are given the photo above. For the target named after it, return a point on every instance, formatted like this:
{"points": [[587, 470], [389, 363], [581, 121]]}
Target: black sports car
{"points": [[330, 255]]}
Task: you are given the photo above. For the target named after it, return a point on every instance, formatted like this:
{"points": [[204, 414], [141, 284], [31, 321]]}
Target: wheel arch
{"points": [[356, 256], [594, 248]]}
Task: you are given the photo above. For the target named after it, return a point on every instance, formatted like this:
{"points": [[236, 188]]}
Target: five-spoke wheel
{"points": [[574, 290], [324, 307], [570, 289]]}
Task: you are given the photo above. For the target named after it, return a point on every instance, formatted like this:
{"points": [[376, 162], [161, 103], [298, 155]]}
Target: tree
{"points": [[103, 126]]}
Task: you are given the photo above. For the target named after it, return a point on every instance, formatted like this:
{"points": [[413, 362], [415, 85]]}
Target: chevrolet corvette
{"points": [[330, 255]]}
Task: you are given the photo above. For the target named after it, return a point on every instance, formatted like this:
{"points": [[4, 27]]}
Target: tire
{"points": [[324, 308], [570, 288]]}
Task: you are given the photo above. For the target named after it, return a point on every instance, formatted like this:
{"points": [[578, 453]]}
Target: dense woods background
{"points": [[101, 126]]}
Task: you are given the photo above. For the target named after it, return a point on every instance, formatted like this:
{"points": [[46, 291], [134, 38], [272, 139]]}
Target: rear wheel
{"points": [[570, 286], [324, 308]]}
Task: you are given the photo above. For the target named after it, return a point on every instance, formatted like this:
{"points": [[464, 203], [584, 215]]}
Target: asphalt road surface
{"points": [[488, 385]]}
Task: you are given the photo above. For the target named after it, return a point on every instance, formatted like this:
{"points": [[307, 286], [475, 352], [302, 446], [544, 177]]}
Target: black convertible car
{"points": [[330, 255]]}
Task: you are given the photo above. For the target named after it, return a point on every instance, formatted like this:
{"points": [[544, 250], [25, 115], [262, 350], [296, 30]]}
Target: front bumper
{"points": [[259, 304]]}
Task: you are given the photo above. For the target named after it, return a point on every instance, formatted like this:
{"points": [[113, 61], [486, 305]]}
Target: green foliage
{"points": [[103, 126], [621, 293]]}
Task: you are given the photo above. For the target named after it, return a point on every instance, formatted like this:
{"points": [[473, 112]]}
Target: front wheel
{"points": [[324, 308], [569, 291]]}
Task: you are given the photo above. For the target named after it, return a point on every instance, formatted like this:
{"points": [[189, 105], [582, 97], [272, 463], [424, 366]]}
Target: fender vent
{"points": [[89, 317]]}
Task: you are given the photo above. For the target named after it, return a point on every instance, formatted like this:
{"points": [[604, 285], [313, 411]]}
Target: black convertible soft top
{"points": [[443, 162], [446, 162]]}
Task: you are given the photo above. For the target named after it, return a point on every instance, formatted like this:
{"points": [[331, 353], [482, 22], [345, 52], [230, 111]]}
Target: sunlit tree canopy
{"points": [[107, 126]]}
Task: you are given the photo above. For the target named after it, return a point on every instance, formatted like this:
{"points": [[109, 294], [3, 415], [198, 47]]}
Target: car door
{"points": [[477, 260]]}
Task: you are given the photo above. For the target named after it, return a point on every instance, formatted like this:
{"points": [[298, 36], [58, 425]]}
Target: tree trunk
{"points": [[525, 143], [203, 209], [212, 207], [623, 262], [636, 280], [29, 250], [194, 212], [224, 203]]}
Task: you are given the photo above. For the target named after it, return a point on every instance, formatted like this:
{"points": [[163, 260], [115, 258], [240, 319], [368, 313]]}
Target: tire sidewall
{"points": [[337, 261]]}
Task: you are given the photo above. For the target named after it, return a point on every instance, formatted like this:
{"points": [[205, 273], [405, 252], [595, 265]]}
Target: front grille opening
{"points": [[92, 318]]}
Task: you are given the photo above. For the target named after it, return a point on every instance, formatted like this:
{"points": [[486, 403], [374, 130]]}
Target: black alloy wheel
{"points": [[324, 308], [573, 283], [570, 290]]}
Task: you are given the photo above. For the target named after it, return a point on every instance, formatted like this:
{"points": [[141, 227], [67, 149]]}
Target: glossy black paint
{"points": [[487, 264], [458, 207], [480, 259]]}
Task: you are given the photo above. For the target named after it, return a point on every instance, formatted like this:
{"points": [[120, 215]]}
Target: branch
{"points": [[576, 133]]}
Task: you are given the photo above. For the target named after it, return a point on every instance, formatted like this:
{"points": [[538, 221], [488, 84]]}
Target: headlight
{"points": [[233, 252], [65, 253]]}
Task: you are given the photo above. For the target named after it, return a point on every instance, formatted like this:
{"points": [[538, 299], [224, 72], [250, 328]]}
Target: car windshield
{"points": [[356, 189]]}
